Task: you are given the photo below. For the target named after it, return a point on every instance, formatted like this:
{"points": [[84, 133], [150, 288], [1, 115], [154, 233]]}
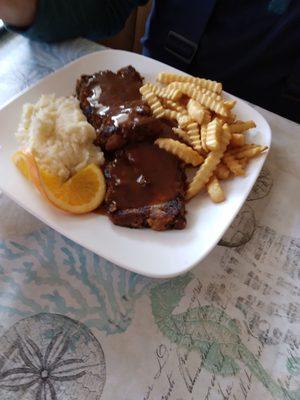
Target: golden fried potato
{"points": [[226, 135], [239, 126], [204, 173], [152, 101], [193, 133], [170, 114], [207, 169], [250, 152], [222, 171], [199, 89], [233, 164], [230, 119], [183, 120], [180, 150], [182, 134], [213, 135], [173, 105], [207, 117], [203, 138], [238, 140], [166, 77], [167, 92], [205, 98], [214, 190], [246, 146], [230, 104], [196, 111], [244, 162]]}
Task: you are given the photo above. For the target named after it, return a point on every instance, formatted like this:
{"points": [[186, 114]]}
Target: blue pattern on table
{"points": [[72, 281], [23, 63]]}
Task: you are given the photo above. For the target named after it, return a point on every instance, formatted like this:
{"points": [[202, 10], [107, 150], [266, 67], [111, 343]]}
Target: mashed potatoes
{"points": [[58, 135]]}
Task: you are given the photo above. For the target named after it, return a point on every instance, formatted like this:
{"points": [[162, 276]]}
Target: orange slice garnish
{"points": [[27, 165], [82, 193]]}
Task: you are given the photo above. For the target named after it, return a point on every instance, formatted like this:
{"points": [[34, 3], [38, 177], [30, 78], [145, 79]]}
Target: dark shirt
{"points": [[252, 46]]}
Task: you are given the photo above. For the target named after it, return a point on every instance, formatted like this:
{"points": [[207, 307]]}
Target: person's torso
{"points": [[251, 46]]}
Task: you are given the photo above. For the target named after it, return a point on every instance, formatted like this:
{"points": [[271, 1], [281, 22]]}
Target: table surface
{"points": [[74, 326]]}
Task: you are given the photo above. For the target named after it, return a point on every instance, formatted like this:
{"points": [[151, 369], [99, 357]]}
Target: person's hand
{"points": [[19, 13]]}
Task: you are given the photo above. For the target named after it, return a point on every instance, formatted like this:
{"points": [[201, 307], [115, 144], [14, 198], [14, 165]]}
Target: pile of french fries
{"points": [[209, 136]]}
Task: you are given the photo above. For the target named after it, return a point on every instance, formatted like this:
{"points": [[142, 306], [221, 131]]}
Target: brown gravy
{"points": [[142, 175]]}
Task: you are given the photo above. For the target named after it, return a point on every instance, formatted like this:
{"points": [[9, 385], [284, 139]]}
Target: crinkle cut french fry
{"points": [[229, 119], [168, 92], [214, 190], [238, 140], [207, 117], [244, 162], [240, 149], [213, 135], [192, 127], [182, 134], [230, 104], [152, 101], [239, 126], [193, 133], [207, 101], [204, 173], [166, 77], [213, 95], [203, 137], [173, 105], [181, 150], [207, 169], [196, 111], [233, 164], [251, 152], [226, 136], [183, 120], [222, 171], [170, 114], [204, 98]]}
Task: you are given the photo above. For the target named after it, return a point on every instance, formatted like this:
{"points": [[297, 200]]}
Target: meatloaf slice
{"points": [[113, 104], [145, 188]]}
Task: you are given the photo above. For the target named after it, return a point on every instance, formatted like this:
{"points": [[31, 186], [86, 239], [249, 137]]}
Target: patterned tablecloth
{"points": [[74, 326]]}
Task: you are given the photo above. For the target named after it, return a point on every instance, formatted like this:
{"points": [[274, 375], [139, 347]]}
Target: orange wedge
{"points": [[82, 193], [21, 161], [27, 165]]}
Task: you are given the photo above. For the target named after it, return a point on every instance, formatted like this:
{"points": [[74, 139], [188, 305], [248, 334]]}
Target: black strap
{"points": [[188, 23]]}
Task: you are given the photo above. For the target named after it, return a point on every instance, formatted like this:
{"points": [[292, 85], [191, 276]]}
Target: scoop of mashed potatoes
{"points": [[57, 133]]}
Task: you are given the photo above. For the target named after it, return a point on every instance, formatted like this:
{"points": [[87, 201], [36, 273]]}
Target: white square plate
{"points": [[155, 254]]}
